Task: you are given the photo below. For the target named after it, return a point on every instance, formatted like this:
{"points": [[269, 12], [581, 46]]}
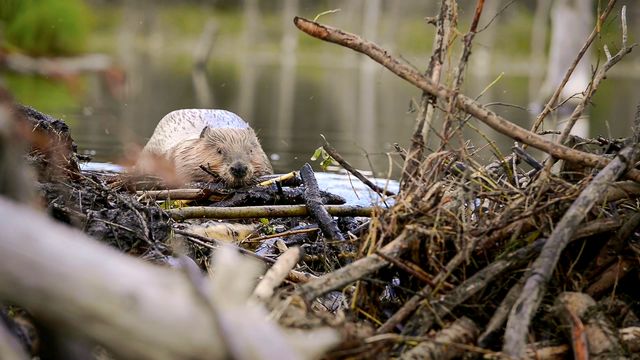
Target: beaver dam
{"points": [[521, 257]]}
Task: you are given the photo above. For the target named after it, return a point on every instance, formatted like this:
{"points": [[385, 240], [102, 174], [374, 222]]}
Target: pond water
{"points": [[290, 94]]}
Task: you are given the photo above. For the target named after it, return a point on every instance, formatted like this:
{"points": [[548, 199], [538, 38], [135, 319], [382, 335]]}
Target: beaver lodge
{"points": [[522, 257]]}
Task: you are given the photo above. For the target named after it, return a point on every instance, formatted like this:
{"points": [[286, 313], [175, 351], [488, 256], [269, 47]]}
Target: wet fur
{"points": [[217, 150], [215, 139]]}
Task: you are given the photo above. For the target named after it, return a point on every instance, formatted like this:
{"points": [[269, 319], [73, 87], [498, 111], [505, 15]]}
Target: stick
{"points": [[337, 157], [137, 310], [357, 269], [193, 212], [314, 204], [542, 269], [551, 103], [427, 103], [464, 103], [276, 274]]}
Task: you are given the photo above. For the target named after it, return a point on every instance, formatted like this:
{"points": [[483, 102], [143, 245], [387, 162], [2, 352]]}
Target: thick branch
{"points": [[135, 309]]}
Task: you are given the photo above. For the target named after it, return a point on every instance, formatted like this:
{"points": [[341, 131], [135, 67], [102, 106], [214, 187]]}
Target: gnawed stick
{"points": [[276, 274], [174, 194], [463, 102], [325, 221], [193, 212], [345, 164], [522, 312]]}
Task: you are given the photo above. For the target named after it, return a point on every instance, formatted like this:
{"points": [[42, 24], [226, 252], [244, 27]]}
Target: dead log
{"points": [[134, 309]]}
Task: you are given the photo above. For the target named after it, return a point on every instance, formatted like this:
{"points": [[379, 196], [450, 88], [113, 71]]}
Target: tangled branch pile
{"points": [[481, 259]]}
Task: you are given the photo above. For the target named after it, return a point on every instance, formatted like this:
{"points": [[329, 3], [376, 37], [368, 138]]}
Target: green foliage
{"points": [[45, 27], [49, 96], [320, 153]]}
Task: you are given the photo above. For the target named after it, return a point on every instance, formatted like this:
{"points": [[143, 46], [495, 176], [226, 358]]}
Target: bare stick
{"points": [[325, 221], [357, 269], [276, 274], [427, 104], [600, 75], [554, 98], [542, 269], [462, 64], [193, 212], [337, 157], [175, 194], [464, 103]]}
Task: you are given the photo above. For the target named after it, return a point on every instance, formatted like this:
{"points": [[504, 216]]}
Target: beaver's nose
{"points": [[238, 170]]}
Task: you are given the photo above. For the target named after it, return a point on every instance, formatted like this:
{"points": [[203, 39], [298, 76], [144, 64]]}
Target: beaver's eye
{"points": [[219, 151]]}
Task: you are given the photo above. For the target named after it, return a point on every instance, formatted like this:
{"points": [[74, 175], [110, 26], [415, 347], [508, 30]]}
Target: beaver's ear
{"points": [[204, 132]]}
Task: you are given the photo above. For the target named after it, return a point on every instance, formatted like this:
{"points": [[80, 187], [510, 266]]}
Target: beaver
{"points": [[219, 140]]}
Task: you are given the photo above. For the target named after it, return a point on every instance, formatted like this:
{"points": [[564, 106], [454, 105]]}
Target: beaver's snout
{"points": [[238, 170]]}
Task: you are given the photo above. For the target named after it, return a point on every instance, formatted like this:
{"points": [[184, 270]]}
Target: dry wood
{"points": [[345, 164], [424, 119], [276, 274], [357, 269], [459, 74], [463, 103], [175, 194], [554, 98], [134, 309], [436, 308], [326, 222], [584, 320], [615, 246], [542, 269], [610, 277], [443, 346], [193, 212], [500, 315]]}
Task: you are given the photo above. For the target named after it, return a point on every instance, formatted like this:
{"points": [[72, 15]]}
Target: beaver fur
{"points": [[219, 140]]}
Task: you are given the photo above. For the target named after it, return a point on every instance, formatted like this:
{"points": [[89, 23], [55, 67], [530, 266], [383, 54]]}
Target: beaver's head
{"points": [[234, 155]]}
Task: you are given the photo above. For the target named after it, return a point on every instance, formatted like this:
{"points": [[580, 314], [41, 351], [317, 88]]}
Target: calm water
{"points": [[289, 99]]}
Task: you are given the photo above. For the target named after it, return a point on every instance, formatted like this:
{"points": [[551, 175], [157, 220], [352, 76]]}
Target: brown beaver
{"points": [[219, 140]]}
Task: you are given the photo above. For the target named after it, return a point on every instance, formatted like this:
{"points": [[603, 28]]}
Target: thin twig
{"points": [[337, 157]]}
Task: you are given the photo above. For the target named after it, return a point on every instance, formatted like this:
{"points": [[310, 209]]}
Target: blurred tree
{"points": [[45, 27]]}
